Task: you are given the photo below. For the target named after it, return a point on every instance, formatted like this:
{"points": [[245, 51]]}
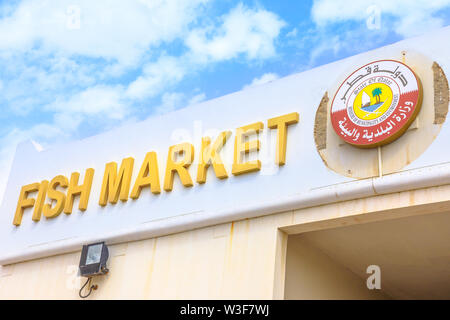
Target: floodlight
{"points": [[93, 259]]}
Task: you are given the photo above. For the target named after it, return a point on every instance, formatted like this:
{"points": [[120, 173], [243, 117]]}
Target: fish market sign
{"points": [[376, 104]]}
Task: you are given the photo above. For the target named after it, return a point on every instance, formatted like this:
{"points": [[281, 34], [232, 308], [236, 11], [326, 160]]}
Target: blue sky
{"points": [[70, 69]]}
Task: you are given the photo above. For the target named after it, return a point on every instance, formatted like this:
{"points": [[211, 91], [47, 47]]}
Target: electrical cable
{"points": [[93, 287]]}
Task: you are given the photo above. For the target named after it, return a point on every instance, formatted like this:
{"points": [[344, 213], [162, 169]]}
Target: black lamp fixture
{"points": [[93, 259], [93, 263]]}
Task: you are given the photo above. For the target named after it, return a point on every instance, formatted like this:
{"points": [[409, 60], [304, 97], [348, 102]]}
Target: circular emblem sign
{"points": [[376, 103]]}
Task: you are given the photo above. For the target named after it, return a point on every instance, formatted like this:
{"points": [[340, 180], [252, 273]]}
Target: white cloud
{"points": [[243, 31], [197, 99], [251, 32], [265, 78], [327, 44], [408, 17], [341, 26], [110, 29], [100, 100], [172, 101], [292, 34], [121, 33], [155, 77]]}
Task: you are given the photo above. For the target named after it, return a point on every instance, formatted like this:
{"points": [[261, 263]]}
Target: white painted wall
{"points": [[312, 274]]}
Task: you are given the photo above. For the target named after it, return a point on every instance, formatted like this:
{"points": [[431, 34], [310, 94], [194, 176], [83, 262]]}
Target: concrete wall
{"points": [[311, 274], [228, 261], [240, 260]]}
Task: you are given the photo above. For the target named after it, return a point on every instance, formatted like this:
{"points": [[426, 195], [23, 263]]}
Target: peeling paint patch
{"points": [[320, 124], [441, 94]]}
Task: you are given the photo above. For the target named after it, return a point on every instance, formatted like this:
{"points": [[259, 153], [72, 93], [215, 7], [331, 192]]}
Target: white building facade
{"points": [[253, 195]]}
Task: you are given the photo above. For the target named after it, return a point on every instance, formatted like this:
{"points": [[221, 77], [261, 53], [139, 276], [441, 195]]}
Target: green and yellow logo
{"points": [[373, 101]]}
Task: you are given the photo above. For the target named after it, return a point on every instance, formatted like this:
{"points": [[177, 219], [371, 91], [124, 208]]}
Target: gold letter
{"points": [[187, 150], [241, 148], [113, 183], [40, 201], [281, 124], [24, 202], [54, 194], [83, 190], [148, 176], [210, 155]]}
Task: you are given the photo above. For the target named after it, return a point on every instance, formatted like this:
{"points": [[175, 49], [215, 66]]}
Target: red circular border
{"points": [[398, 121]]}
